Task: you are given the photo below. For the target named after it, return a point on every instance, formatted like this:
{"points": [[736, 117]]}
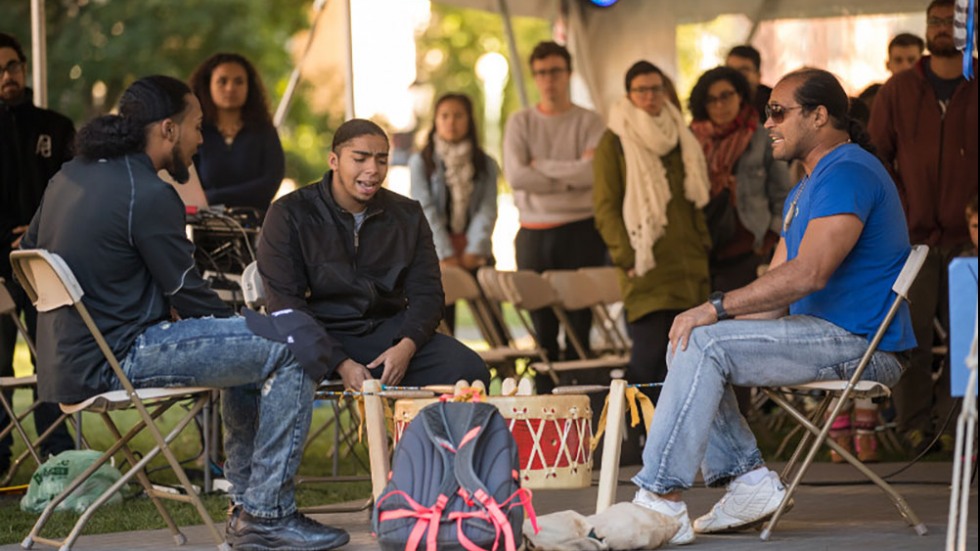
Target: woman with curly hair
{"points": [[241, 162]]}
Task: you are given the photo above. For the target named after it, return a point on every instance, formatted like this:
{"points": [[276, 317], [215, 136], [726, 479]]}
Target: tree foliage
{"points": [[101, 46], [456, 38]]}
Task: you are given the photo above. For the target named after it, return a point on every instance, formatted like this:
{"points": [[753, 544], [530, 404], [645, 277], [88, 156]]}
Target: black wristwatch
{"points": [[715, 300]]}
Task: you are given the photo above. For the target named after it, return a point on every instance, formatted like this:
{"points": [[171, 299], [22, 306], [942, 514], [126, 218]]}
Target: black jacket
{"points": [[34, 143], [120, 228], [311, 259]]}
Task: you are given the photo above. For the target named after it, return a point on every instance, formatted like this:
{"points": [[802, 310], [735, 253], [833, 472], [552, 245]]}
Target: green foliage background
{"points": [[117, 41]]}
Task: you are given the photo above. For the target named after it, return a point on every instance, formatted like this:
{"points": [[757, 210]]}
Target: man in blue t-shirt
{"points": [[810, 317]]}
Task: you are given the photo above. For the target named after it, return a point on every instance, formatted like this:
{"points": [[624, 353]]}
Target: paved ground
{"points": [[831, 513]]}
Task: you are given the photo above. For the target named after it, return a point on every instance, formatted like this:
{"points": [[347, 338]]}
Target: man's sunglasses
{"points": [[777, 112]]}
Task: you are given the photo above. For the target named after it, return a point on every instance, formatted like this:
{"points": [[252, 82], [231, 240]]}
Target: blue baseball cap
{"points": [[308, 341]]}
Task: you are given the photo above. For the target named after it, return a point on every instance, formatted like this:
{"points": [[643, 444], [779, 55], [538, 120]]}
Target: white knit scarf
{"points": [[458, 163], [645, 140]]}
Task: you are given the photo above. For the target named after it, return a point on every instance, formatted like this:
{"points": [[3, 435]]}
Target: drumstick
{"points": [[478, 385], [588, 389], [525, 387], [460, 385], [390, 392], [508, 387]]}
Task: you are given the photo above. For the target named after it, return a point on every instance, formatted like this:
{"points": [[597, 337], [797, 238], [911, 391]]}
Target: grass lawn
{"points": [[138, 513]]}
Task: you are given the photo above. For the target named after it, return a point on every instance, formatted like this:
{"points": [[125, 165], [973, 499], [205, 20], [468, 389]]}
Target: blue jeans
{"points": [[266, 402], [697, 422]]}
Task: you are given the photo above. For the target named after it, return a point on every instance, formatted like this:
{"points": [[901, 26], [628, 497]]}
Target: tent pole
{"points": [[515, 60], [287, 97], [764, 8], [349, 63], [39, 56]]}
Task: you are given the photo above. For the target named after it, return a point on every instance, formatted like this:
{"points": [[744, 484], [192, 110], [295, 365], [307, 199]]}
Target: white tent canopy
{"points": [[604, 42]]}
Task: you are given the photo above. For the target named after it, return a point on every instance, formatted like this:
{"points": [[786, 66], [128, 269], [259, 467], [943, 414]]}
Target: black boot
{"points": [[295, 532]]}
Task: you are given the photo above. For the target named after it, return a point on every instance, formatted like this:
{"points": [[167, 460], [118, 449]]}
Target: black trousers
{"points": [[648, 358], [47, 413], [567, 247], [443, 360]]}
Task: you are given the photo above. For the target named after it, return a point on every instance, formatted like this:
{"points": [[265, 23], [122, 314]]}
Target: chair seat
{"points": [[607, 362], [18, 382], [501, 354], [863, 389], [119, 399]]}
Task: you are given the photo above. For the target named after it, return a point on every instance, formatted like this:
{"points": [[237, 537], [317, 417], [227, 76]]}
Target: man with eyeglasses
{"points": [[746, 60], [548, 152], [809, 317], [924, 126], [34, 142]]}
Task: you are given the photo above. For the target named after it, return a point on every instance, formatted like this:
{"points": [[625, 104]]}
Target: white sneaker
{"points": [[743, 506], [650, 500]]}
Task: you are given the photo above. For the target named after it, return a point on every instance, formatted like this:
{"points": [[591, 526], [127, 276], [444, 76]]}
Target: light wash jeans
{"points": [[266, 402], [697, 422]]}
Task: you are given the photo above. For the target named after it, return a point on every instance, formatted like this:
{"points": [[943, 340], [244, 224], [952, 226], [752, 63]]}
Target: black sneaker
{"points": [[296, 532]]}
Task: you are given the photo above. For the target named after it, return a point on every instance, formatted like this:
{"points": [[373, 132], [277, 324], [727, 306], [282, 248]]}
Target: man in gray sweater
{"points": [[548, 152]]}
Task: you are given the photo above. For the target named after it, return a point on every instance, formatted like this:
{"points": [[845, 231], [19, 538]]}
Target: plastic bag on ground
{"points": [[57, 473]]}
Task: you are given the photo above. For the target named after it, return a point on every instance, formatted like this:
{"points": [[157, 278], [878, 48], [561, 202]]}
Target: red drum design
{"points": [[553, 435]]}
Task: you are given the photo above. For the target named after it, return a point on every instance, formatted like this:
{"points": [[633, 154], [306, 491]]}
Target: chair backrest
{"points": [[252, 287], [489, 279], [9, 308], [528, 290], [458, 284], [606, 281], [46, 278], [575, 289], [50, 284], [910, 271]]}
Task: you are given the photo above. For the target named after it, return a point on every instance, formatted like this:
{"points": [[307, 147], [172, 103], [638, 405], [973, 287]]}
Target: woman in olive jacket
{"points": [[650, 184]]}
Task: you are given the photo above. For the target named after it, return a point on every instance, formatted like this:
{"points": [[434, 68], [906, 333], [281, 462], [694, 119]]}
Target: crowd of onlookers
{"points": [[690, 214]]}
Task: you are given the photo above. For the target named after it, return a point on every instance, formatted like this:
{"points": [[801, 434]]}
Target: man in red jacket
{"points": [[924, 126]]}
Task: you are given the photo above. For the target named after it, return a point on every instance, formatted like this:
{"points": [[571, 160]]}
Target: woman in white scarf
{"points": [[651, 181], [456, 184]]}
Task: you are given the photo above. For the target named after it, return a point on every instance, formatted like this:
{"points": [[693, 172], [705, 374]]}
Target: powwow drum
{"points": [[553, 435]]}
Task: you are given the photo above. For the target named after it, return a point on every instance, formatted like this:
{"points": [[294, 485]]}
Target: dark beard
{"points": [[178, 168], [942, 51]]}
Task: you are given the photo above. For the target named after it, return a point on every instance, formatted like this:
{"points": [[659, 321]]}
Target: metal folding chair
{"points": [[50, 284], [8, 384], [460, 285], [609, 312], [529, 291], [818, 424], [344, 437]]}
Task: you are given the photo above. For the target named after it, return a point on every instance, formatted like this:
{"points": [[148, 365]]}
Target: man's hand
{"points": [[685, 322], [451, 261], [395, 360], [588, 154], [472, 261], [19, 232], [353, 374]]}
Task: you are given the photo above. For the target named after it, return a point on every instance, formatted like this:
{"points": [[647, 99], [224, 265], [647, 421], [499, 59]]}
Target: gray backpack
{"points": [[454, 483]]}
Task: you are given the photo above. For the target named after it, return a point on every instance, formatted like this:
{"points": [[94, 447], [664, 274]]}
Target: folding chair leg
{"points": [[903, 507], [136, 469], [31, 450], [15, 425], [144, 482]]}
